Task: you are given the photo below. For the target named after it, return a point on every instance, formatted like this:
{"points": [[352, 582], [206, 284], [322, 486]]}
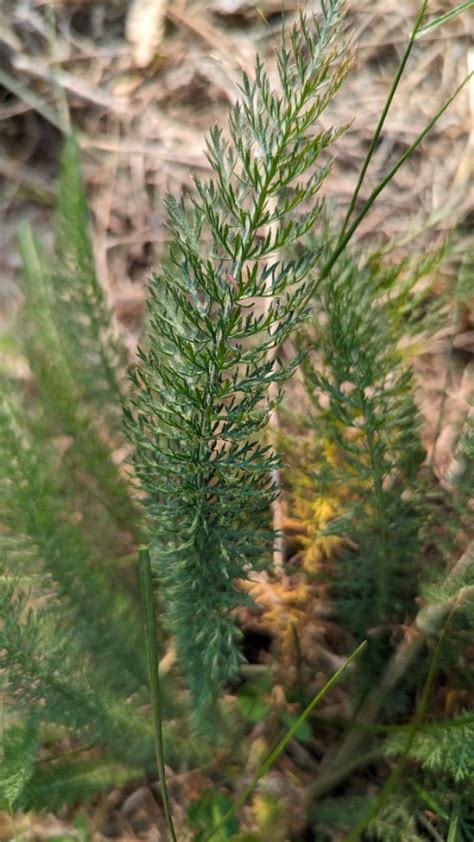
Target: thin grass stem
{"points": [[384, 112], [146, 586], [428, 798], [454, 822], [395, 775], [463, 7], [383, 183], [31, 99], [281, 745]]}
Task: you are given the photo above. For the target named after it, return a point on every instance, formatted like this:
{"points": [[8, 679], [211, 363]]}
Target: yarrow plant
{"points": [[211, 373], [246, 281], [218, 315]]}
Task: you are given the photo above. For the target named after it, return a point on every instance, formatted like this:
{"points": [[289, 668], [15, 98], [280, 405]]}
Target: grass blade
{"points": [[385, 110], [281, 745], [386, 179], [35, 102], [458, 10], [453, 835], [428, 798], [146, 586], [395, 775]]}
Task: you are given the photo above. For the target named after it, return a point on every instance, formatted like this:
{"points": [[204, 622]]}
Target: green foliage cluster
{"points": [[246, 275], [203, 392], [361, 391], [72, 660], [391, 825], [365, 458], [445, 748]]}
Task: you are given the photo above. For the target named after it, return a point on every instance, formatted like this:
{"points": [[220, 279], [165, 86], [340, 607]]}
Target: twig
{"points": [[429, 827], [27, 177], [31, 99], [462, 563], [126, 147], [73, 84], [334, 769]]}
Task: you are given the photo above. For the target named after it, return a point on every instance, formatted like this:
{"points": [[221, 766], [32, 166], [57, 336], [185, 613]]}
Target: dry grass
{"points": [[141, 111], [142, 106]]}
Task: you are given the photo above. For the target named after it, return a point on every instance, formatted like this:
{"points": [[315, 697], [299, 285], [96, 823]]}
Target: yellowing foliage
{"points": [[314, 518], [311, 514], [284, 610]]}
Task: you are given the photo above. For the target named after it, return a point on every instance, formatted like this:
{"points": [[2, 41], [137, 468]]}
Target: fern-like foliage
{"points": [[71, 648], [30, 783], [66, 780], [359, 384], [18, 745], [396, 822], [210, 373], [42, 532], [71, 642], [78, 657], [52, 681], [68, 339], [93, 349], [445, 748]]}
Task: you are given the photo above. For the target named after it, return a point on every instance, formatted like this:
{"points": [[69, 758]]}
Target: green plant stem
{"points": [[334, 769], [428, 798], [463, 7], [383, 115], [344, 240], [454, 822], [281, 745], [146, 586], [394, 777], [381, 532]]}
